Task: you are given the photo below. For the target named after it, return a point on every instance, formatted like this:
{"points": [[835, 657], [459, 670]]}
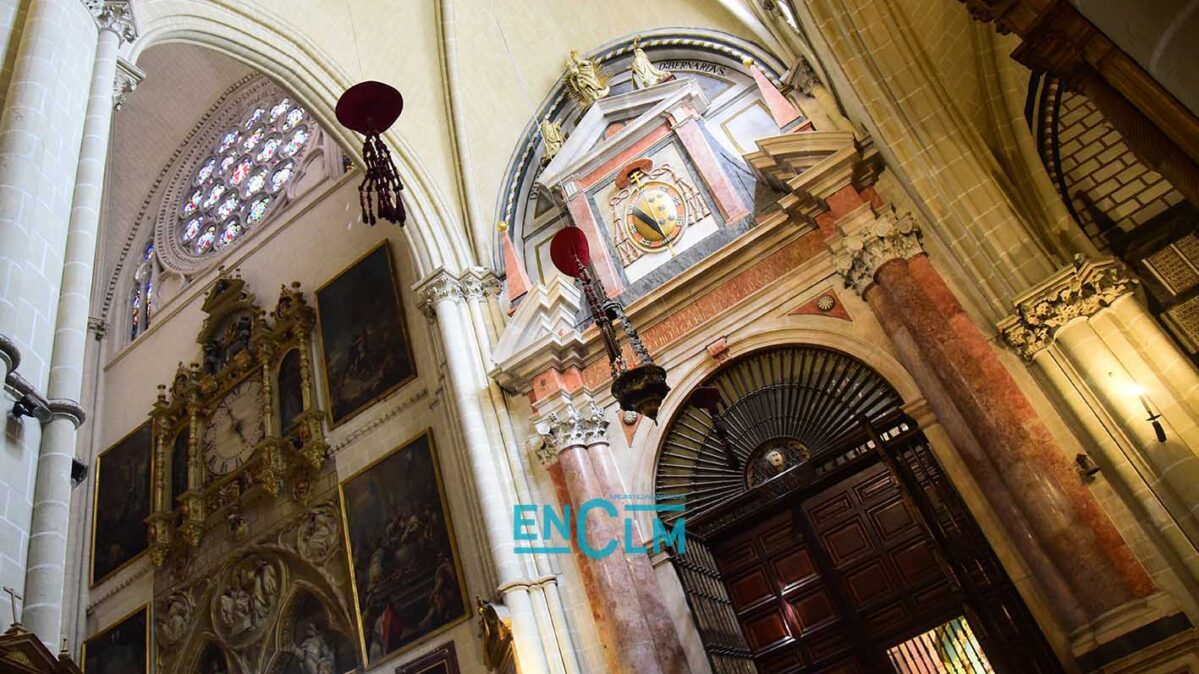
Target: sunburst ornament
{"points": [[370, 108]]}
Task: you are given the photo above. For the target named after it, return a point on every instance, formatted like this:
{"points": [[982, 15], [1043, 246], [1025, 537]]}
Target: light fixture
{"points": [[370, 108], [1134, 389], [642, 387]]}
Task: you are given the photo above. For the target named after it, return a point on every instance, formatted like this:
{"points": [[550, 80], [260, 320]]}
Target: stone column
{"points": [[1108, 360], [44, 576], [669, 649], [625, 634], [444, 293], [1065, 517]]}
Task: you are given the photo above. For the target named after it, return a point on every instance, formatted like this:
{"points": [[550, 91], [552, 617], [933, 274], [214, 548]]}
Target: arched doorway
{"points": [[823, 536]]}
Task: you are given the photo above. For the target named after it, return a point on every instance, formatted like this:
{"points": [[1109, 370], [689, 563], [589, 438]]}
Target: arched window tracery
{"points": [[235, 185], [141, 295]]}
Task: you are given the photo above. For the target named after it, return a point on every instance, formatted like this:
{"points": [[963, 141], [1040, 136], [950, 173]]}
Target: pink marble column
{"points": [[1060, 596], [1065, 517], [601, 261], [671, 656], [732, 208], [626, 637]]}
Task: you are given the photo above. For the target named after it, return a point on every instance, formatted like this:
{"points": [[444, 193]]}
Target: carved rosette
{"points": [[1079, 291], [573, 427], [859, 255]]}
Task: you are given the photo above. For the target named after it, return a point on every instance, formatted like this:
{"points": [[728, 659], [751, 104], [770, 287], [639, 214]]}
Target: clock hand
{"points": [[649, 220]]}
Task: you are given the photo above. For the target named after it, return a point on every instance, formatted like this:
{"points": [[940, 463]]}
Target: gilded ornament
{"points": [[645, 73], [552, 138], [585, 81]]}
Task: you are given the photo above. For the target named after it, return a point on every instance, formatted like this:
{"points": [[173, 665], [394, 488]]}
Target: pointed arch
{"points": [[434, 233]]}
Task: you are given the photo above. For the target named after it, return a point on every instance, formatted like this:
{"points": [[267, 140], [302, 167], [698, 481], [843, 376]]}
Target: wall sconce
{"points": [[1086, 467], [1134, 389]]}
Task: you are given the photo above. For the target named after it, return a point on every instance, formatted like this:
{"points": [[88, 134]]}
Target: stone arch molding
{"points": [[434, 232], [691, 374]]}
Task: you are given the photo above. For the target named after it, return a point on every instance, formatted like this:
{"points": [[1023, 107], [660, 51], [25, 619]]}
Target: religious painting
{"points": [[407, 578], [441, 660], [311, 645], [291, 391], [122, 502], [121, 649], [364, 340]]}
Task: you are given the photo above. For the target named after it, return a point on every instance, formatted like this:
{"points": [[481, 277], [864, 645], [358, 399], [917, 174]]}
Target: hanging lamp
{"points": [[370, 108], [638, 388]]}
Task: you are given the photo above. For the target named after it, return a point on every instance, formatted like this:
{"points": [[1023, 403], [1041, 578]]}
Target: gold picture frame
{"points": [[322, 346], [146, 427], [144, 609], [425, 435]]}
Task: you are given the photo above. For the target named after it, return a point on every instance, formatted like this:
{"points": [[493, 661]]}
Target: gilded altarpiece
{"points": [[246, 532]]}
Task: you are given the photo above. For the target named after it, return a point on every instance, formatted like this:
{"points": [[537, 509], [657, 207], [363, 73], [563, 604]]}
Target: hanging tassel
{"points": [[381, 185]]}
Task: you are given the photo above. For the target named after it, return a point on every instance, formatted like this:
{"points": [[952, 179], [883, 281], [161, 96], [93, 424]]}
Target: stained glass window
{"points": [[235, 186], [141, 298]]}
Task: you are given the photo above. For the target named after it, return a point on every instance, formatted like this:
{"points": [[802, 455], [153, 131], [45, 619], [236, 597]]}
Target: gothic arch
{"points": [[434, 232]]}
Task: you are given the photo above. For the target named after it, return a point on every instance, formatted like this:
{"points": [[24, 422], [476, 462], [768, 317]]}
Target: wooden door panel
{"points": [[751, 590], [795, 568], [813, 611], [766, 630]]}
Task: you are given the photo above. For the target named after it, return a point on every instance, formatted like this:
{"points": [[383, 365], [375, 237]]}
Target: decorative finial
{"points": [[748, 61], [502, 226], [12, 601]]}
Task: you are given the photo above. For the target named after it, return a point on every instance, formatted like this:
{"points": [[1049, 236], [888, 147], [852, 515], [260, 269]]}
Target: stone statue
{"points": [[247, 603], [318, 533], [175, 618], [586, 82], [314, 653], [645, 73], [552, 137]]}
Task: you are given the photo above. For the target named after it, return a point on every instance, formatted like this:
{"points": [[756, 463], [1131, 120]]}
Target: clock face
{"points": [[655, 215], [235, 428]]}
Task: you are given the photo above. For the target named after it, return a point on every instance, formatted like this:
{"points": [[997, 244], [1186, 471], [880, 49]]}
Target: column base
{"points": [[1129, 633]]}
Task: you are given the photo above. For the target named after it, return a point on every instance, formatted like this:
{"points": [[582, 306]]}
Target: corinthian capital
{"points": [[115, 16], [127, 78], [573, 427], [860, 252], [439, 286], [1081, 290]]}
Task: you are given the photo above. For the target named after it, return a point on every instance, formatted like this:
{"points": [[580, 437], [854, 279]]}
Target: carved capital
{"points": [[97, 326], [859, 254], [1078, 291], [479, 283], [991, 10], [127, 78], [574, 427], [440, 286], [115, 16]]}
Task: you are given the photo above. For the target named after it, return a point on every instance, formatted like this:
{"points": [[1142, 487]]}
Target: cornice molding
{"points": [[9, 353], [859, 253], [1079, 291]]}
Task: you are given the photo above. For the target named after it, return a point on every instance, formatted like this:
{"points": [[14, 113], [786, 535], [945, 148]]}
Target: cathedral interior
{"points": [[599, 337]]}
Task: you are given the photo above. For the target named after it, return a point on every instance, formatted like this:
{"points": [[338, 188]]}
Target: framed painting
{"points": [[441, 660], [123, 648], [122, 502], [404, 563], [363, 335]]}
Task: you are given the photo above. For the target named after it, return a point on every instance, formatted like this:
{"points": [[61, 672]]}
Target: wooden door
{"points": [[822, 586]]}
